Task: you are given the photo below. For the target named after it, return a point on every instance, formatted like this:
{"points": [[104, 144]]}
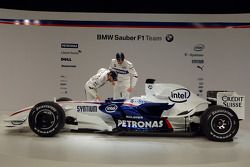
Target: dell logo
{"points": [[66, 59]]}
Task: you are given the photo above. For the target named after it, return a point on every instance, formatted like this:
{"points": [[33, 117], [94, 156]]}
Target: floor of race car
{"points": [[22, 148]]}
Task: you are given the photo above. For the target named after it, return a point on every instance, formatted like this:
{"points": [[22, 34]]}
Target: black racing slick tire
{"points": [[219, 123], [46, 119]]}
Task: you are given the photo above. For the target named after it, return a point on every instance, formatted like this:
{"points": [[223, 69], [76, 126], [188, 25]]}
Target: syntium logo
{"points": [[104, 37], [179, 95], [86, 108]]}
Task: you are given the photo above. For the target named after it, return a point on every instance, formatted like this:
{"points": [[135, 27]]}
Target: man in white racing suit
{"points": [[103, 75], [127, 76]]}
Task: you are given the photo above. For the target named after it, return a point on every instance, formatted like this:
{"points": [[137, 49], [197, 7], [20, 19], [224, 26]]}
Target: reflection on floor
{"points": [[23, 148]]}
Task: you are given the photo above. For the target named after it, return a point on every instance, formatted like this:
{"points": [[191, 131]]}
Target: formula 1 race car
{"points": [[165, 109]]}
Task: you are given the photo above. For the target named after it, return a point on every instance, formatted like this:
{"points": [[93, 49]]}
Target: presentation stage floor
{"points": [[22, 148]]}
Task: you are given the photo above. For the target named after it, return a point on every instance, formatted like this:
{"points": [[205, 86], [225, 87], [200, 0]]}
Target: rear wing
{"points": [[228, 99]]}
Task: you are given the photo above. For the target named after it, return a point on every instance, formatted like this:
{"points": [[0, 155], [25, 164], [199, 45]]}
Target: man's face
{"points": [[119, 61], [110, 79]]}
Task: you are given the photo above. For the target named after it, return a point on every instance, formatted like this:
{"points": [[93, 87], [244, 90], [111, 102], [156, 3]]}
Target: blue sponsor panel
{"points": [[112, 108], [146, 116], [153, 110]]}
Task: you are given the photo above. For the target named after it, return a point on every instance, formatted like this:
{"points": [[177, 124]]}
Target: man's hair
{"points": [[120, 56], [113, 74]]}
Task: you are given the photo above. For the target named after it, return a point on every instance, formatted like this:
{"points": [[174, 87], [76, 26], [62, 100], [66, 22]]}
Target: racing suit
{"points": [[96, 82], [127, 78]]}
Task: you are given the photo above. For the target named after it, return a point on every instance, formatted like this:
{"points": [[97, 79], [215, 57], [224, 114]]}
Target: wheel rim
{"points": [[45, 119], [221, 124]]}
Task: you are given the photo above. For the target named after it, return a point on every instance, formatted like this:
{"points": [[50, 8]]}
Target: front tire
{"points": [[219, 123], [46, 119]]}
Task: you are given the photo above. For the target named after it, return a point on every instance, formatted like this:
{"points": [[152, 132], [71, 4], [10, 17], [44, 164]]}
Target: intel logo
{"points": [[111, 108], [179, 95], [199, 47]]}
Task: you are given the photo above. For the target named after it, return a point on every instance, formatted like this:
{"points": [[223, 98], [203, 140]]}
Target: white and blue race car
{"points": [[165, 109]]}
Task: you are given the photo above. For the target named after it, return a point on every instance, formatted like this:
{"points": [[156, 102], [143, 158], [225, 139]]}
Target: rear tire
{"points": [[46, 119], [219, 123]]}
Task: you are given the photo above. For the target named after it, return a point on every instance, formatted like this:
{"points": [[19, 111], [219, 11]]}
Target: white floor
{"points": [[22, 148]]}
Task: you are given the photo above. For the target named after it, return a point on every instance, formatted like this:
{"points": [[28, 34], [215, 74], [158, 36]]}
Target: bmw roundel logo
{"points": [[169, 37], [111, 108]]}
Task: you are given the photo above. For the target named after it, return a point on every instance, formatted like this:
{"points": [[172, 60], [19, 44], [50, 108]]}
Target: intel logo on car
{"points": [[111, 108], [179, 95]]}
